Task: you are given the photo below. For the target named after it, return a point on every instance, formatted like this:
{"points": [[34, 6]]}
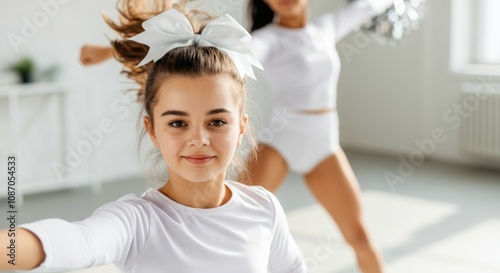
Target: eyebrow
{"points": [[184, 114]]}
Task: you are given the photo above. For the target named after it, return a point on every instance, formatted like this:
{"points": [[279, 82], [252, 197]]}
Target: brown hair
{"points": [[192, 61], [260, 14]]}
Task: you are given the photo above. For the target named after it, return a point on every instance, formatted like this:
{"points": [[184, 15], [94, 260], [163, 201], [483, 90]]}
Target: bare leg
{"points": [[335, 186], [268, 169]]}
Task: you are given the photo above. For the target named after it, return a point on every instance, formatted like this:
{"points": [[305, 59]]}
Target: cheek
{"points": [[226, 139], [170, 143]]}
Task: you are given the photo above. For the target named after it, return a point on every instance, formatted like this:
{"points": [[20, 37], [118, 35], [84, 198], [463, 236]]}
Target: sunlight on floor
{"points": [[401, 226]]}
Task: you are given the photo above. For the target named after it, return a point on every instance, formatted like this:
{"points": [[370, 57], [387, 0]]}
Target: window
{"points": [[488, 40], [475, 44]]}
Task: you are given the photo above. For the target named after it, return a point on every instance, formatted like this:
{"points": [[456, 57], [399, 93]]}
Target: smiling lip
{"points": [[198, 159]]}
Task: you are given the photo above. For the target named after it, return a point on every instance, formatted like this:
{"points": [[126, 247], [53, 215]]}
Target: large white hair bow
{"points": [[171, 29]]}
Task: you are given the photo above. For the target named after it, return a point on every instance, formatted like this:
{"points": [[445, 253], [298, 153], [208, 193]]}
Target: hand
{"points": [[28, 249], [92, 54], [380, 5]]}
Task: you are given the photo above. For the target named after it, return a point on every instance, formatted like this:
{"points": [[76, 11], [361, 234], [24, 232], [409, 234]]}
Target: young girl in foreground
{"points": [[194, 100]]}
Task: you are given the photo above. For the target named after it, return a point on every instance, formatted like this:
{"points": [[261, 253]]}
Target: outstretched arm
{"points": [[93, 54], [115, 232], [351, 16], [22, 252]]}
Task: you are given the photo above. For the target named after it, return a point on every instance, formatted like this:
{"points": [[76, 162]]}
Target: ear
{"points": [[243, 126], [148, 124]]}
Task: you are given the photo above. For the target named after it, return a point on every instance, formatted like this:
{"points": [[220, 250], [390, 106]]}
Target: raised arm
{"points": [[94, 54], [351, 16], [22, 252], [356, 13]]}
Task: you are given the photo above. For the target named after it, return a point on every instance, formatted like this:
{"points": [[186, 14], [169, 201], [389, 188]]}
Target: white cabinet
{"points": [[34, 130]]}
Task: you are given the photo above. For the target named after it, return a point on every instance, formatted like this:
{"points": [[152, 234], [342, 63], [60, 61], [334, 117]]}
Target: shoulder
{"points": [[129, 215], [265, 36], [266, 203], [128, 208], [324, 20], [264, 31], [258, 192], [129, 202], [265, 42], [256, 195]]}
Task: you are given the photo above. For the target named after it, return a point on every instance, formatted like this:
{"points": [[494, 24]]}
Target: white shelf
{"points": [[43, 88]]}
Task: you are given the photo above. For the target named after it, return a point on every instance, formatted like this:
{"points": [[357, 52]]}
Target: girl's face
{"points": [[197, 126], [287, 8]]}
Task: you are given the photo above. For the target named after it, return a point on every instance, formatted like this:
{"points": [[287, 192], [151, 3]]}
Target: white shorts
{"points": [[303, 140]]}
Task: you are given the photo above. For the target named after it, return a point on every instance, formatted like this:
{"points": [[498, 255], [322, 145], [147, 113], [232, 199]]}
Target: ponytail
{"points": [[132, 13], [260, 14]]}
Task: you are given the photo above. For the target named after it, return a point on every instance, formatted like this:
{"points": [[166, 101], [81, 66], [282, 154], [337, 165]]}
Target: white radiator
{"points": [[481, 129]]}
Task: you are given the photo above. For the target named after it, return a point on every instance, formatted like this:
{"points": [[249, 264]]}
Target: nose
{"points": [[198, 137]]}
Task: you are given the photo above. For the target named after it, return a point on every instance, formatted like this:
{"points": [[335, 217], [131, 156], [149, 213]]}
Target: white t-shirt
{"points": [[153, 234], [302, 65]]}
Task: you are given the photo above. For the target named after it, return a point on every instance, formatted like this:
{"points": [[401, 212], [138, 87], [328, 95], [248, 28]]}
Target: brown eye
{"points": [[177, 123], [218, 123]]}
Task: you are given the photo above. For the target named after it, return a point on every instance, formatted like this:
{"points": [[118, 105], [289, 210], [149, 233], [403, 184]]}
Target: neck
{"points": [[210, 194], [297, 21]]}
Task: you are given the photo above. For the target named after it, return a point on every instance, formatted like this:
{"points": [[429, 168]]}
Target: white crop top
{"points": [[154, 234], [302, 65]]}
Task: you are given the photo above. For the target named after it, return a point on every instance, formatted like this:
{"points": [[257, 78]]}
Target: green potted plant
{"points": [[25, 68]]}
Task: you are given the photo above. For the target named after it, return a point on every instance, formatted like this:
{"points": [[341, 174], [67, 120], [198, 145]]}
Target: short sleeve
{"points": [[285, 255], [351, 16], [113, 233], [262, 45]]}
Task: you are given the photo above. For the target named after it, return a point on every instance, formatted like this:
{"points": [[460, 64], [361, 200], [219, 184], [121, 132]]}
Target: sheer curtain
{"points": [[488, 38]]}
